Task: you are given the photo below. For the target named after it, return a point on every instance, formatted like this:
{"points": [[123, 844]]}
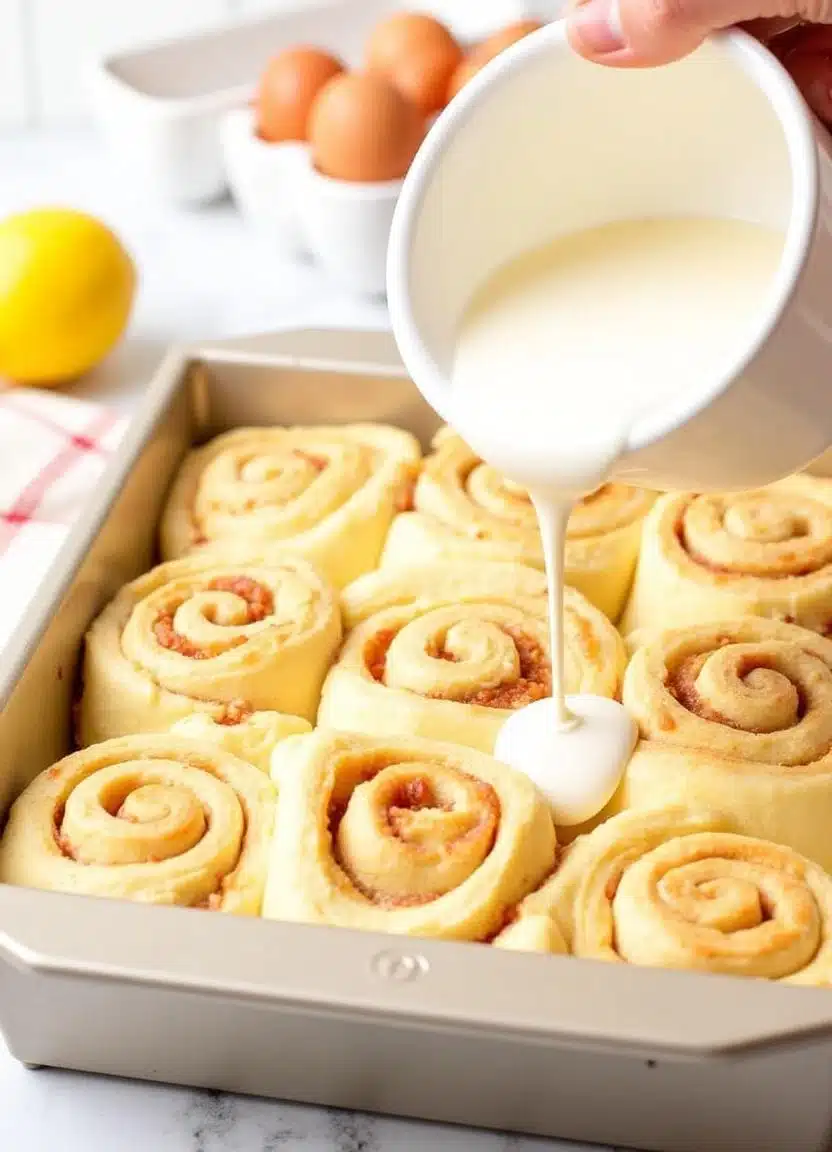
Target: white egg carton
{"points": [[177, 116], [342, 226]]}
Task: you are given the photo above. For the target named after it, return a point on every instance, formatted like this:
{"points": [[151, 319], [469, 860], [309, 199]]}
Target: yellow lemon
{"points": [[66, 290]]}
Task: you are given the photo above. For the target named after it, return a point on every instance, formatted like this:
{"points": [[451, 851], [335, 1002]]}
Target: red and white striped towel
{"points": [[53, 450]]}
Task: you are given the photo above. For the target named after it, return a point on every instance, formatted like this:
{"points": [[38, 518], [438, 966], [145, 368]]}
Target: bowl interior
{"points": [[545, 143]]}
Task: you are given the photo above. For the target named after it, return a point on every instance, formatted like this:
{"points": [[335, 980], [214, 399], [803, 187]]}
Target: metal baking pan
{"points": [[675, 1062]]}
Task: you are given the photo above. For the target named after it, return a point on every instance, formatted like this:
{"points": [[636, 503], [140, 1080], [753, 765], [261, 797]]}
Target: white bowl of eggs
{"points": [[316, 162]]}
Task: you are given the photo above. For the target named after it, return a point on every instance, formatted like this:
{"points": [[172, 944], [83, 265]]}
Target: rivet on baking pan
{"points": [[399, 966]]}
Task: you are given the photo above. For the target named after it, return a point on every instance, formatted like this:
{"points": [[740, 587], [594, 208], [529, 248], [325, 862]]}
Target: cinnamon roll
{"points": [[449, 650], [249, 736], [150, 818], [196, 635], [462, 509], [679, 888], [326, 493], [719, 556], [738, 717], [403, 835]]}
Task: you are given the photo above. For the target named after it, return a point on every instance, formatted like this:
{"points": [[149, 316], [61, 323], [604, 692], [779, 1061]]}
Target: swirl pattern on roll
{"points": [[403, 835], [448, 650], [679, 888], [717, 556], [737, 716], [464, 509], [149, 818], [198, 636], [326, 493]]}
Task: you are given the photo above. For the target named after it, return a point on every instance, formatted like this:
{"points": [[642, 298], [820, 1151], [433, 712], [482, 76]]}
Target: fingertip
{"points": [[595, 29]]}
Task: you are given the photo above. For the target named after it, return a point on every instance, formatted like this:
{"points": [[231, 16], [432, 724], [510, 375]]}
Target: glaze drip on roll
{"points": [[449, 650], [462, 508]]}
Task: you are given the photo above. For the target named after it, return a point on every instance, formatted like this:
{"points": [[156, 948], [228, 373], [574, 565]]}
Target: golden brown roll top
{"points": [[196, 635], [464, 509], [149, 818], [737, 716], [681, 889], [403, 835], [719, 556], [325, 493], [449, 650]]}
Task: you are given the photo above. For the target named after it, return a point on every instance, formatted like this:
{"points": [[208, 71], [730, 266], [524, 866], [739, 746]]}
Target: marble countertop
{"points": [[202, 276], [44, 1110]]}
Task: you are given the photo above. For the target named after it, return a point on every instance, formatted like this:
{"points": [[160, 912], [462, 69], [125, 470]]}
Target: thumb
{"points": [[637, 33]]}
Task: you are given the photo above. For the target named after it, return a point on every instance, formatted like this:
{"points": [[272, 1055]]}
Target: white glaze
{"points": [[558, 356], [600, 740], [562, 351]]}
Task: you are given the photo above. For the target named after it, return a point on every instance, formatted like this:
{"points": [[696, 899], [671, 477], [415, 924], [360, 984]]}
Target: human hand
{"points": [[639, 33]]}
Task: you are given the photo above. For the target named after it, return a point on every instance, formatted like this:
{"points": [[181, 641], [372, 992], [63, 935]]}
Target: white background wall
{"points": [[44, 43]]}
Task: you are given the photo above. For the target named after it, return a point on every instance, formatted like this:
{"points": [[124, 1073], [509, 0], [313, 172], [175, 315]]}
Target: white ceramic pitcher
{"points": [[543, 142]]}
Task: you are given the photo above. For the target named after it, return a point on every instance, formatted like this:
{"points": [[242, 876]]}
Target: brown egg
{"points": [[465, 72], [362, 129], [288, 89], [485, 51], [416, 53], [503, 39]]}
